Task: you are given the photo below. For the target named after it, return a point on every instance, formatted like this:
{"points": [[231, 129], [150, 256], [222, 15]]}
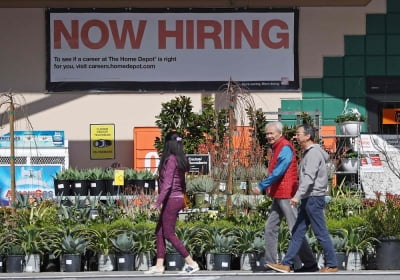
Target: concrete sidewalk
{"points": [[208, 275]]}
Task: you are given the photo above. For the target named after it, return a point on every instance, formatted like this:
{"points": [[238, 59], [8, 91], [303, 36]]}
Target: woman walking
{"points": [[171, 186]]}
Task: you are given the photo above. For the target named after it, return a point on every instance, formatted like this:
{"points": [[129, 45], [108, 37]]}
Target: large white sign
{"points": [[382, 173], [179, 50]]}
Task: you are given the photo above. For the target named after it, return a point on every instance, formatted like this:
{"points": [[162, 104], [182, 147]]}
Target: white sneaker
{"points": [[155, 270], [189, 269]]}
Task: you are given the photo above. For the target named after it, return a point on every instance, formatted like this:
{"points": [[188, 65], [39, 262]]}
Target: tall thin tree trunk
{"points": [[12, 152]]}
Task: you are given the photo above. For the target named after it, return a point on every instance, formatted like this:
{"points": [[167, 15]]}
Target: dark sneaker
{"points": [[279, 267], [329, 269], [313, 268]]}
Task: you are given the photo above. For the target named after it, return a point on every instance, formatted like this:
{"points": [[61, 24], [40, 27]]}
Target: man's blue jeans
{"points": [[311, 212]]}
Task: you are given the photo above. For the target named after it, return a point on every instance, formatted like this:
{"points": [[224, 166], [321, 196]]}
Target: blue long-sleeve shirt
{"points": [[282, 164]]}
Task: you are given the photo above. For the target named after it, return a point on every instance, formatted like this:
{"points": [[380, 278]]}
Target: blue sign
{"points": [[34, 139], [35, 181]]}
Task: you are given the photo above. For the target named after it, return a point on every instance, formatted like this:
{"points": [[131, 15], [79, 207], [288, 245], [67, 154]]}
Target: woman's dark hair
{"points": [[173, 146]]}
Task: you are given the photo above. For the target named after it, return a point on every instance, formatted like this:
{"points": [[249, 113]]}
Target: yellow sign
{"points": [[118, 177], [102, 141]]}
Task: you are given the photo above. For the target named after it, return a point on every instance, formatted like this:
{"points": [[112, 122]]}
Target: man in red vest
{"points": [[281, 185]]}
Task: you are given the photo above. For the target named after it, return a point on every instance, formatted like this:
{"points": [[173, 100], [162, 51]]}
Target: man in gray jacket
{"points": [[313, 185]]}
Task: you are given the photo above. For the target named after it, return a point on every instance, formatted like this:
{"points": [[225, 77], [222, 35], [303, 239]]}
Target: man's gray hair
{"points": [[278, 125]]}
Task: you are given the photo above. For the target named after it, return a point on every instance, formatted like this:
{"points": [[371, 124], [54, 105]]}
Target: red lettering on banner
{"points": [[227, 34], [213, 35], [221, 34], [188, 34], [127, 28], [284, 37], [104, 35], [163, 34], [73, 37], [61, 31], [252, 39]]}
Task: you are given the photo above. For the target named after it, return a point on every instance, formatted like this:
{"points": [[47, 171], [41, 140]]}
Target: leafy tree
{"points": [[196, 129]]}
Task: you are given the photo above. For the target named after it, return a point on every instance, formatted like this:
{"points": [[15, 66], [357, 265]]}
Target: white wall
{"points": [[22, 69]]}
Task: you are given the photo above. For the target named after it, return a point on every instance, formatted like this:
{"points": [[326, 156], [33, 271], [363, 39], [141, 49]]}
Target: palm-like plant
{"points": [[359, 241], [99, 237], [144, 238]]}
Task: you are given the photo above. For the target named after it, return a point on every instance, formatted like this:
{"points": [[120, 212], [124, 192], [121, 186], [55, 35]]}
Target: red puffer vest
{"points": [[287, 185]]}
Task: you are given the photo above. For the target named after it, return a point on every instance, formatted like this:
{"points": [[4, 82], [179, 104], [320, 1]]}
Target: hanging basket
{"points": [[352, 128], [350, 164]]}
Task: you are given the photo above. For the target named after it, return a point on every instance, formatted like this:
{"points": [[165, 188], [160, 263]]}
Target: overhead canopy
{"points": [[178, 3]]}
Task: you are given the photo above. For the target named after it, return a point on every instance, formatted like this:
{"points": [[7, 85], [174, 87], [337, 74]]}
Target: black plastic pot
{"points": [[97, 187], [174, 261], [125, 262], [15, 263], [222, 261], [62, 187], [111, 189], [388, 254], [72, 263], [79, 187], [2, 263]]}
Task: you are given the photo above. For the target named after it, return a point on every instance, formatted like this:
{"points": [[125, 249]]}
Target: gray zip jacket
{"points": [[313, 175]]}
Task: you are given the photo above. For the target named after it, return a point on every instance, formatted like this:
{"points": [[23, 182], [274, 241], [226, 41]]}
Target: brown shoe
{"points": [[279, 267], [329, 269]]}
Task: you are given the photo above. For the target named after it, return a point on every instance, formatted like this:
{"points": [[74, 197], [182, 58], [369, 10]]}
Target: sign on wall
{"points": [[199, 163], [33, 181], [175, 49], [34, 139], [102, 141]]}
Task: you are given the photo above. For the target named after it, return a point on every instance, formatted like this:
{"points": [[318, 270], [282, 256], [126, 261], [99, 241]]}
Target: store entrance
{"points": [[383, 105]]}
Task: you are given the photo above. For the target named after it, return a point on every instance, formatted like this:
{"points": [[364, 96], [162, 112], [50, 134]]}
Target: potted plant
{"points": [[350, 122], [350, 162], [124, 244], [220, 177], [15, 257], [145, 245], [62, 182], [96, 182], [339, 240], [358, 244], [99, 237], [382, 216], [250, 245], [223, 250], [149, 181], [108, 177], [201, 186], [73, 247], [255, 174], [79, 181], [240, 178], [33, 243]]}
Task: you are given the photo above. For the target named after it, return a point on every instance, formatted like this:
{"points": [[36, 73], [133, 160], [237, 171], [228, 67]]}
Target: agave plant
{"points": [[249, 240], [95, 173], [124, 243], [74, 245], [224, 244]]}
